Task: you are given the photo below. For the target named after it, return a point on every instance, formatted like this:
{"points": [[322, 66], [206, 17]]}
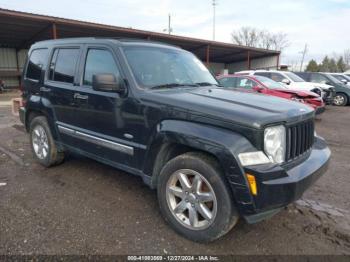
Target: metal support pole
{"points": [[248, 60], [54, 31], [278, 61], [208, 54], [18, 70], [169, 24]]}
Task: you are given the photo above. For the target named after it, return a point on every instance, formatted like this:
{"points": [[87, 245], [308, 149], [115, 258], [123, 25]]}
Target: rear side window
{"points": [[245, 83], [266, 74], [99, 61], [277, 77], [36, 62], [63, 65]]}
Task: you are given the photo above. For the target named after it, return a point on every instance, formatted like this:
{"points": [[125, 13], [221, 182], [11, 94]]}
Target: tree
{"points": [[247, 36], [346, 57], [312, 66], [324, 67], [253, 37], [341, 66], [278, 41], [332, 66]]}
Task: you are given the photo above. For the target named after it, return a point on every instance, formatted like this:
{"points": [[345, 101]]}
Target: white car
{"points": [[291, 81], [341, 77]]}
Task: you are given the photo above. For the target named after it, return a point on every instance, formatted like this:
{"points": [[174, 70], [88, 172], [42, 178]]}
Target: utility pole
{"points": [[214, 6], [303, 57], [169, 25], [169, 30]]}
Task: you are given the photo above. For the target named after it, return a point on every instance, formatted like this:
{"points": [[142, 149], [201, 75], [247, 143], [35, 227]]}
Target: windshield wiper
{"points": [[171, 85], [206, 84]]}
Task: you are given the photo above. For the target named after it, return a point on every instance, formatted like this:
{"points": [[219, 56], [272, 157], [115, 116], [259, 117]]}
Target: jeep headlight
{"points": [[275, 143]]}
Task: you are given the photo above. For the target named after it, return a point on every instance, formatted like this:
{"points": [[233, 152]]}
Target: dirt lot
{"points": [[84, 207]]}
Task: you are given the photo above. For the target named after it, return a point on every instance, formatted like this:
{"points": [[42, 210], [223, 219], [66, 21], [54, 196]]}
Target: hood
{"points": [[322, 86], [305, 86], [300, 93], [247, 109]]}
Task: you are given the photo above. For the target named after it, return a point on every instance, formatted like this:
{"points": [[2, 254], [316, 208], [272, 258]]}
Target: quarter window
{"points": [[63, 65], [37, 61], [99, 61]]}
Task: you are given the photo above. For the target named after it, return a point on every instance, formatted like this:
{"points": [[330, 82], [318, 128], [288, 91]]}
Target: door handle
{"points": [[80, 96], [45, 89]]}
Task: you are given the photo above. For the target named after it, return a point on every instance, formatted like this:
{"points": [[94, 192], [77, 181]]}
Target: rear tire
{"points": [[195, 199], [340, 99], [42, 143]]}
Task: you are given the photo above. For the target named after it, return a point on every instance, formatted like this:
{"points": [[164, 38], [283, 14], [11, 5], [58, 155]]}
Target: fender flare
{"points": [[223, 144], [42, 106]]}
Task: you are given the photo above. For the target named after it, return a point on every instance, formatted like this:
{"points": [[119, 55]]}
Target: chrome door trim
{"points": [[96, 140]]}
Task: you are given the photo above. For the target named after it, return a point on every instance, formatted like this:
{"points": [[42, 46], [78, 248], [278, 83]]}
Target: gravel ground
{"points": [[84, 207]]}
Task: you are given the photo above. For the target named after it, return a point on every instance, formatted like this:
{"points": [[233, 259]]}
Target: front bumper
{"points": [[320, 110], [22, 114], [279, 186], [329, 96]]}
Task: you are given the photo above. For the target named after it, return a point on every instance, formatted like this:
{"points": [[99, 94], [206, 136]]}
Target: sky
{"points": [[324, 25]]}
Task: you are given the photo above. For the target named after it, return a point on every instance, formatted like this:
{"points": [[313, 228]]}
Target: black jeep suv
{"points": [[155, 111]]}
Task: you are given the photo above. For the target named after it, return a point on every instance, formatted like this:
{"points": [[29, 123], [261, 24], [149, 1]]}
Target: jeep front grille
{"points": [[300, 139]]}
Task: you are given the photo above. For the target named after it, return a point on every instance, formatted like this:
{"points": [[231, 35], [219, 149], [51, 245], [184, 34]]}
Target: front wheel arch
{"points": [[227, 214], [346, 97]]}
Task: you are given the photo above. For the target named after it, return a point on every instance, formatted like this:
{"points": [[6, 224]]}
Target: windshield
{"points": [[294, 77], [333, 79], [341, 77], [269, 83], [165, 67]]}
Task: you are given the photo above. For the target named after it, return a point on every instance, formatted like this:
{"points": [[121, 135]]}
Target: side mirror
{"points": [[257, 88], [286, 81], [108, 83], [344, 81]]}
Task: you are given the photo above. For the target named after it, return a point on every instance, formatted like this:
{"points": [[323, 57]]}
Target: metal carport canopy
{"points": [[19, 30]]}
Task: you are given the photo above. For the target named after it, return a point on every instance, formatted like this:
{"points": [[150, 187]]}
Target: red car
{"points": [[267, 86]]}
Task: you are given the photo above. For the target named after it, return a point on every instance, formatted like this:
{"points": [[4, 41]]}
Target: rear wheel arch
{"points": [[43, 145], [32, 113]]}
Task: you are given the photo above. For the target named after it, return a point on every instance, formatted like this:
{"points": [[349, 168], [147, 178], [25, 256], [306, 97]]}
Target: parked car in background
{"points": [[267, 86], [2, 86], [155, 111], [292, 81], [341, 77], [342, 96]]}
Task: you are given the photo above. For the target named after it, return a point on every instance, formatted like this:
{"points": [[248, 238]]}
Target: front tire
{"points": [[340, 99], [42, 143], [195, 199]]}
